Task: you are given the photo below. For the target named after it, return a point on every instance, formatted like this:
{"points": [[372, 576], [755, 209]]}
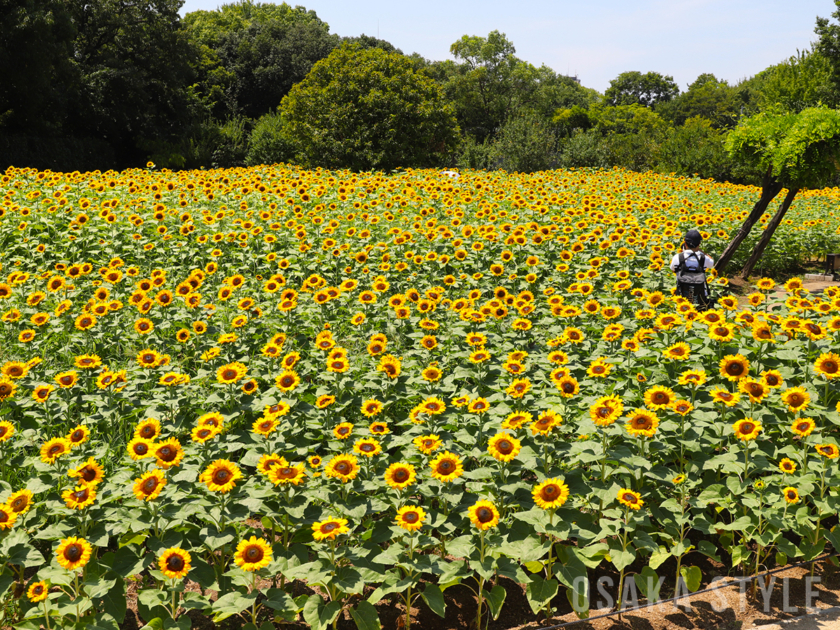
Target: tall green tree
{"points": [[488, 84], [369, 109], [635, 88], [708, 98], [794, 151], [38, 80], [254, 52]]}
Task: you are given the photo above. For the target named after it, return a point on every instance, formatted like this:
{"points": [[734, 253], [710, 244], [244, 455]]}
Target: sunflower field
{"points": [[277, 396]]}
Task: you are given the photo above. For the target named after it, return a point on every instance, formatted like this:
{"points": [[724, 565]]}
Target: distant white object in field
{"points": [[450, 174]]}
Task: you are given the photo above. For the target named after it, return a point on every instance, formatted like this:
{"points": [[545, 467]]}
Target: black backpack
{"points": [[691, 279]]}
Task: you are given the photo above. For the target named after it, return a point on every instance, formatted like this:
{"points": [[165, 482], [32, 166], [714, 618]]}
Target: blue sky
{"points": [[597, 40]]}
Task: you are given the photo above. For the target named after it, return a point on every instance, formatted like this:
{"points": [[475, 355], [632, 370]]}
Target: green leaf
{"points": [[25, 555], [621, 558], [540, 592], [452, 574], [495, 599], [318, 614], [126, 562], [693, 577], [782, 559], [364, 614], [579, 603], [282, 603], [6, 580], [232, 604], [658, 557], [433, 596], [154, 624], [648, 583], [571, 570]]}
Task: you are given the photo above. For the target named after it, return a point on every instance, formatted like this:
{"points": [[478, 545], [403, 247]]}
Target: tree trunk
{"points": [[769, 189], [758, 250]]}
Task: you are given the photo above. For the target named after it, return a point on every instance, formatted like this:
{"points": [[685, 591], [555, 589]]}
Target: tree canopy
{"points": [[635, 88], [369, 109]]}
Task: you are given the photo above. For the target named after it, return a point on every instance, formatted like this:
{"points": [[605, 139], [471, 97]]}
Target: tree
{"points": [[794, 151], [525, 144], [635, 88], [707, 98], [368, 109], [491, 85], [37, 77], [696, 147], [252, 54], [828, 46], [803, 80], [135, 65]]}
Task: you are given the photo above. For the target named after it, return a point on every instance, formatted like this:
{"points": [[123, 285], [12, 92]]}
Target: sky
{"points": [[595, 40]]}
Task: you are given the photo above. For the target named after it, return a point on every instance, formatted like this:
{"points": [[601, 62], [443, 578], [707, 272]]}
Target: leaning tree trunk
{"points": [[769, 189], [758, 250]]}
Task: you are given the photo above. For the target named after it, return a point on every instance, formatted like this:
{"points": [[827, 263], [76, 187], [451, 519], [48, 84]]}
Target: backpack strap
{"points": [[682, 262], [702, 261]]}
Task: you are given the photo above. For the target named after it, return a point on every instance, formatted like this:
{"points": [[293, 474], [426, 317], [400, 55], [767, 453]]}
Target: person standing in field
{"points": [[690, 266]]}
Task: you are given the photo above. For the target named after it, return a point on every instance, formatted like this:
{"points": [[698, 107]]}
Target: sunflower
{"points": [[293, 474], [67, 379], [446, 467], [211, 419], [168, 453], [88, 473], [642, 423], [7, 430], [517, 420], [73, 553], [747, 429], [787, 466], [754, 389], [149, 486], [504, 447], [631, 499], [287, 381], [725, 397], [773, 379], [367, 447], [606, 410], [567, 385], [38, 591], [53, 449], [762, 332], [400, 475], [410, 518], [372, 407], [678, 352], [734, 367], [796, 399], [484, 515], [322, 402], [329, 528], [545, 422], [231, 373], [828, 365], [695, 378], [85, 322], [149, 358], [659, 397], [7, 517], [803, 427], [221, 476], [79, 497], [829, 451], [551, 494], [479, 405], [267, 462], [20, 502], [42, 393], [379, 428], [343, 430], [78, 436], [265, 426], [174, 563], [148, 429], [342, 467], [252, 554], [520, 386], [791, 495], [139, 448]]}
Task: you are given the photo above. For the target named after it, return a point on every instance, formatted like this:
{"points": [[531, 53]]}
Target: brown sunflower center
{"points": [[400, 475], [87, 473], [77, 436], [550, 492], [221, 476], [73, 552], [149, 485], [343, 468], [446, 466], [484, 514], [166, 453], [175, 563], [326, 528], [55, 449], [630, 498], [367, 447], [747, 428], [411, 517], [505, 447], [141, 449]]}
